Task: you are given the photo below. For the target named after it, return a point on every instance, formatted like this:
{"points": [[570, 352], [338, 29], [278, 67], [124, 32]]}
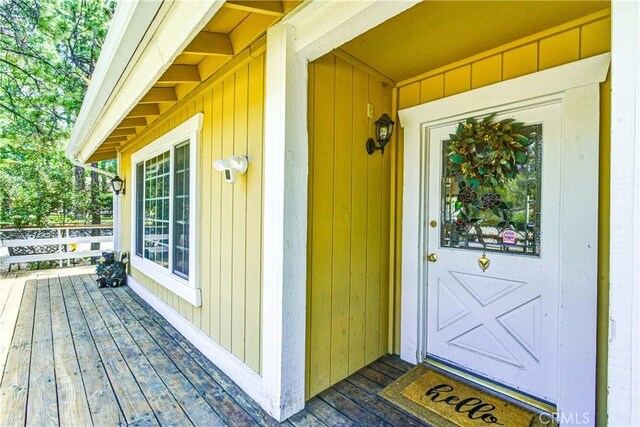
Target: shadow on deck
{"points": [[77, 355]]}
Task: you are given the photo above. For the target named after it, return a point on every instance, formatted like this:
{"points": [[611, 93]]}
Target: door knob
{"points": [[432, 257]]}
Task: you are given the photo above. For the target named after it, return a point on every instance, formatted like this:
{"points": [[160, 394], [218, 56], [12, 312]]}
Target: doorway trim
{"points": [[576, 87]]}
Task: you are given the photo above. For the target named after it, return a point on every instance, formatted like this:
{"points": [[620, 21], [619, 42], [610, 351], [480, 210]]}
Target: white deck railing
{"points": [[70, 242]]}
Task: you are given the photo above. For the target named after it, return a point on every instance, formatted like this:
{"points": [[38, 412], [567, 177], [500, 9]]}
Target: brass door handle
{"points": [[432, 257]]}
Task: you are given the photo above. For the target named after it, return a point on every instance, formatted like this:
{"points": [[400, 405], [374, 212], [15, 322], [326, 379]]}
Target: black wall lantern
{"points": [[384, 129], [117, 184]]}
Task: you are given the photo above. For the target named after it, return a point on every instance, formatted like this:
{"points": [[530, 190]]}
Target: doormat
{"points": [[443, 401]]}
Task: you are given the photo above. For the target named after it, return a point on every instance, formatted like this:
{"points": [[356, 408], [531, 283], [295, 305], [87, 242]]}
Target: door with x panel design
{"points": [[501, 323]]}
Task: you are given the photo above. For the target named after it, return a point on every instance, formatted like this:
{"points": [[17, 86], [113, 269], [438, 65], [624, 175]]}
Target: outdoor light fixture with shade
{"points": [[384, 129], [117, 184]]}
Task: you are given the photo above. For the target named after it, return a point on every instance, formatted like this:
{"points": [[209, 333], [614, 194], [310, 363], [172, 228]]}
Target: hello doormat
{"points": [[443, 401]]}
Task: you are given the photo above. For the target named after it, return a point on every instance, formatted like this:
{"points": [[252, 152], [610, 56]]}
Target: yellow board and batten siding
{"points": [[230, 228], [348, 238]]}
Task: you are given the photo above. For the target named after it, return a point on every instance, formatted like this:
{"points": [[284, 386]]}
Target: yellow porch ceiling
{"points": [[435, 33]]}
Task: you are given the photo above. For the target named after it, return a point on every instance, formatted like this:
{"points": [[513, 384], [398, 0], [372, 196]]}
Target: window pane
{"points": [[139, 207], [180, 211], [156, 221]]}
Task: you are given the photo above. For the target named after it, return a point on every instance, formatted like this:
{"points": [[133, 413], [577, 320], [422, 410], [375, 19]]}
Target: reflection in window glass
{"points": [[139, 207], [181, 211], [156, 209]]}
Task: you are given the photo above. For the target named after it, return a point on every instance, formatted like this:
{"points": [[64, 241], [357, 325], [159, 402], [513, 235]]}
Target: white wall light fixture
{"points": [[231, 167]]}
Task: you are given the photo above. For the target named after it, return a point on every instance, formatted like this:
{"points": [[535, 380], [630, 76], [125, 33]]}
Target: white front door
{"points": [[500, 324]]}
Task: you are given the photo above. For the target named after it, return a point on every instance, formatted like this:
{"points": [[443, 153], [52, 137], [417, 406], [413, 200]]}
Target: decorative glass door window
{"points": [[503, 217]]}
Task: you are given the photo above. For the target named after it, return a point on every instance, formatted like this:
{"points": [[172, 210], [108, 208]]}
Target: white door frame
{"points": [[576, 87], [309, 32], [624, 275]]}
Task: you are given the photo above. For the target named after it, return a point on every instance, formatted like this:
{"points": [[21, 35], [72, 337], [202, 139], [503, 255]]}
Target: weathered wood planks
{"points": [[132, 401], [73, 405], [156, 392], [15, 381], [239, 409], [355, 400], [87, 356], [11, 290], [102, 401], [42, 409]]}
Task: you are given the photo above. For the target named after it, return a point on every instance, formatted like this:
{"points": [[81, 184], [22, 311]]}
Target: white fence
{"points": [[54, 244]]}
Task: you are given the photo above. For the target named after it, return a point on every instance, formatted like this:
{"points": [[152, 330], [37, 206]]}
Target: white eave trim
{"points": [[150, 42], [128, 26]]}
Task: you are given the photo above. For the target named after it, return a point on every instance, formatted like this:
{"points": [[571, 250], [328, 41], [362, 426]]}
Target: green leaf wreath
{"points": [[487, 153]]}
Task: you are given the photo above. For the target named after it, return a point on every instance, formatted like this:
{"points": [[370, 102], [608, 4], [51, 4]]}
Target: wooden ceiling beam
{"points": [[208, 43], [249, 30], [158, 95], [118, 139], [181, 74], [124, 132], [133, 123], [102, 155], [144, 110], [263, 7]]}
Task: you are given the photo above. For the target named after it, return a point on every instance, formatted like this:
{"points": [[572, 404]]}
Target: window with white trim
{"points": [[163, 219], [157, 194]]}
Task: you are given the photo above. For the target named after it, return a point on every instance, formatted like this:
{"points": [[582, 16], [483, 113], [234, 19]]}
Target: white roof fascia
{"points": [[148, 57], [128, 26], [347, 20]]}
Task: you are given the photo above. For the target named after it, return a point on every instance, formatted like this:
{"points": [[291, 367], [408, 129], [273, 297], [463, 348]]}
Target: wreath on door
{"points": [[487, 153], [484, 155]]}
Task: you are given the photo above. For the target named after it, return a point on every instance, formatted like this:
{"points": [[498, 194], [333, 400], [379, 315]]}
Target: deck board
{"points": [[142, 362], [80, 355], [305, 418], [150, 316], [12, 287], [327, 414], [132, 401], [351, 409], [42, 397], [15, 379], [73, 404], [101, 397]]}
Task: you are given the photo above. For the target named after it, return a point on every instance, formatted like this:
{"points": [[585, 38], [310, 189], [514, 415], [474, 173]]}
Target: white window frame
{"points": [[189, 131]]}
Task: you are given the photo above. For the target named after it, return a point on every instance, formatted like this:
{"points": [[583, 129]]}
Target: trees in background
{"points": [[48, 51]]}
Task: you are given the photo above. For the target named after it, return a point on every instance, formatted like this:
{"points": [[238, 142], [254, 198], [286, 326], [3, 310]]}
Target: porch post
{"points": [[304, 35], [624, 276], [285, 225]]}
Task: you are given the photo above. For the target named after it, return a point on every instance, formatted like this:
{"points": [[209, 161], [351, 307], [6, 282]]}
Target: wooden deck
{"points": [[354, 401], [74, 354]]}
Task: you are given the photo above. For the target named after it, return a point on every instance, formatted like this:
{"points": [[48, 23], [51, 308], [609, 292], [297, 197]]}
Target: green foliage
{"points": [[484, 152], [48, 50]]}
